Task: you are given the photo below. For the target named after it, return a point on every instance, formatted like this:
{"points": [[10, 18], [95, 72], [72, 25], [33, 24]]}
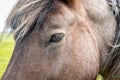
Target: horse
{"points": [[64, 40]]}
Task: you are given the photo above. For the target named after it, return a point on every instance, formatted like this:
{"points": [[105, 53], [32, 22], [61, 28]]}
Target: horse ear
{"points": [[69, 3]]}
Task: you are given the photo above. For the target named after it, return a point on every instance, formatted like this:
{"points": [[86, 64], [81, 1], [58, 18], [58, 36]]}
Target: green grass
{"points": [[99, 77], [6, 49]]}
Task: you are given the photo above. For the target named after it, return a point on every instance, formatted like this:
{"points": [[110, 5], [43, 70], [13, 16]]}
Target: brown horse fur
{"points": [[90, 30]]}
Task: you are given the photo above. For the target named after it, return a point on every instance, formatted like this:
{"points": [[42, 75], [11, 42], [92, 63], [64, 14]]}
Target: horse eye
{"points": [[56, 38]]}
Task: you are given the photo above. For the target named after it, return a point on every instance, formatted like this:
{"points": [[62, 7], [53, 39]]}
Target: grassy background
{"points": [[6, 49]]}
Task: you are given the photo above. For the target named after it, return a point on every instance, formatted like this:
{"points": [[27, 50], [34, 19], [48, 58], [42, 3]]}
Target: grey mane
{"points": [[112, 65], [26, 15]]}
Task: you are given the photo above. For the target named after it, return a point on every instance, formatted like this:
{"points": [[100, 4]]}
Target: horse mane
{"points": [[27, 15], [111, 68]]}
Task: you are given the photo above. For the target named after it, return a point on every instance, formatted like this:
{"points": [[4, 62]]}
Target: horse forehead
{"points": [[59, 15]]}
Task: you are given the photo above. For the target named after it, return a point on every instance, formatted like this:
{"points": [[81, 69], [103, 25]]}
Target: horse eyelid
{"points": [[55, 38]]}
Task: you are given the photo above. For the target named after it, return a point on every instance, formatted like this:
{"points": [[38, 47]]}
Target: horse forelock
{"points": [[26, 15]]}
